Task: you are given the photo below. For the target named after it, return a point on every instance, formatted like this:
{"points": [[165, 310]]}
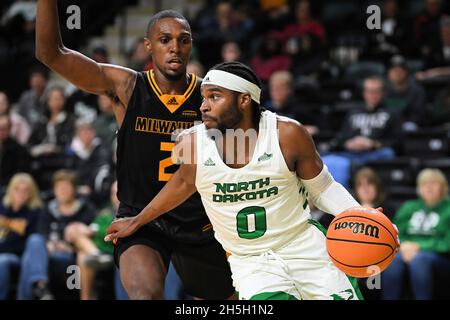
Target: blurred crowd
{"points": [[377, 103]]}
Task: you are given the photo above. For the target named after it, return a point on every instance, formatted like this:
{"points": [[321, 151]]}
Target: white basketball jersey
{"points": [[258, 207]]}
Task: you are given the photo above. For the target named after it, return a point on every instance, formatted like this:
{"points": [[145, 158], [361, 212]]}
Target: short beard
{"points": [[175, 77], [233, 117]]}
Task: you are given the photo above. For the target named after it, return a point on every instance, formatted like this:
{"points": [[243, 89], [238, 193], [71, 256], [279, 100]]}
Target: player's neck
{"points": [[232, 150], [170, 86]]}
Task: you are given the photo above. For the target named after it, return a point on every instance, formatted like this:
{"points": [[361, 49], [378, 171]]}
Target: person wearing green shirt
{"points": [[424, 232]]}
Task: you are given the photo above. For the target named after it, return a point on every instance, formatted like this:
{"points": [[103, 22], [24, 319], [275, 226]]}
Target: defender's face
{"points": [[220, 108], [170, 45]]}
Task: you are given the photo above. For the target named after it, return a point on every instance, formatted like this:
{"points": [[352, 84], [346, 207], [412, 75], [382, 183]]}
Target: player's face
{"points": [[220, 108], [170, 45]]}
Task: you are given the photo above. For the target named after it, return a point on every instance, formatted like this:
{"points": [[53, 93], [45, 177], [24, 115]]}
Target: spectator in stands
{"points": [[14, 158], [93, 253], [100, 53], [394, 36], [219, 22], [231, 51], [32, 102], [270, 57], [439, 113], [369, 193], [275, 15], [196, 68], [99, 227], [20, 129], [89, 158], [50, 250], [368, 134], [404, 95], [439, 56], [55, 130], [19, 212], [305, 25], [284, 102], [427, 28], [437, 61], [424, 230], [368, 188], [232, 22], [105, 124], [25, 8], [304, 41], [140, 60], [83, 104]]}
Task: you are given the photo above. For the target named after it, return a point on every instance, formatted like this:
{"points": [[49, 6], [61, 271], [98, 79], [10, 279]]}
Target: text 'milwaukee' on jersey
{"points": [[258, 207], [144, 143]]}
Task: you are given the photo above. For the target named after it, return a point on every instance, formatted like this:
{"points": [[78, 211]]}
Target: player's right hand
{"points": [[122, 228]]}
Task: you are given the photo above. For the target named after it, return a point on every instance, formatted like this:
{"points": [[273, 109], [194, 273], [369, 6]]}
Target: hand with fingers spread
{"points": [[122, 228]]}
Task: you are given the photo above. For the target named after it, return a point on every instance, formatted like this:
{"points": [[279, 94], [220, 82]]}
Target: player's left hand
{"points": [[122, 228]]}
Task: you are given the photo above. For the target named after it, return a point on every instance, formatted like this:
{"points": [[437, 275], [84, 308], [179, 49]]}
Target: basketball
{"points": [[361, 242]]}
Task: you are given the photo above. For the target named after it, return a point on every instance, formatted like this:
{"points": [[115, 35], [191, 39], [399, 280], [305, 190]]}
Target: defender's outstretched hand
{"points": [[122, 228]]}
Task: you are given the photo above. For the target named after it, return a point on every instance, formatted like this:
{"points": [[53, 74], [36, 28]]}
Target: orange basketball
{"points": [[362, 242]]}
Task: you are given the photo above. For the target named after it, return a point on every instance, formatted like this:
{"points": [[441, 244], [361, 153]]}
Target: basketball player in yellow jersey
{"points": [[148, 107], [258, 206]]}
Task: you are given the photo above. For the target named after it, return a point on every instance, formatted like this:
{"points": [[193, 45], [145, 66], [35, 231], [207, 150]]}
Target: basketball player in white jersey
{"points": [[258, 207]]}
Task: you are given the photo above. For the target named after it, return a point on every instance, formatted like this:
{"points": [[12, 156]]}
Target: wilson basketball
{"points": [[362, 242]]}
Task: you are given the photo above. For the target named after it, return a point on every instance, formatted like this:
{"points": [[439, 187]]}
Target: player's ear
{"points": [[245, 100], [148, 45]]}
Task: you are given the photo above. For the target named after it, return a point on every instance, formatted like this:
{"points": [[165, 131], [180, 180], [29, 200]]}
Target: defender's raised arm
{"points": [[114, 81]]}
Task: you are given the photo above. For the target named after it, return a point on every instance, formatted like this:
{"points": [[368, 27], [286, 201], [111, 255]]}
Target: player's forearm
{"points": [[48, 37], [328, 195], [335, 200], [174, 193]]}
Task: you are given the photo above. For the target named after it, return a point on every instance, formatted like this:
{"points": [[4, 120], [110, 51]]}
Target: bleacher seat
{"points": [[362, 69], [399, 172], [415, 7], [332, 91], [427, 143], [434, 86], [344, 10]]}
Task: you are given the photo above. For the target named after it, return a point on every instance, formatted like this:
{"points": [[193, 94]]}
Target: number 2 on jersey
{"points": [[163, 164], [251, 222]]}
